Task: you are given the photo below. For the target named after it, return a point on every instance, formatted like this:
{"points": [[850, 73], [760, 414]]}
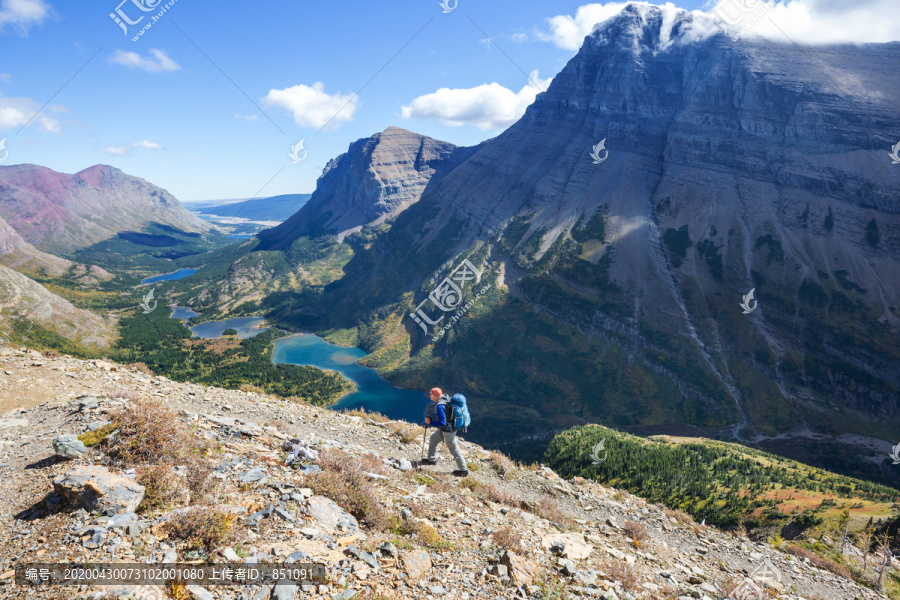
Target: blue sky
{"points": [[160, 109]]}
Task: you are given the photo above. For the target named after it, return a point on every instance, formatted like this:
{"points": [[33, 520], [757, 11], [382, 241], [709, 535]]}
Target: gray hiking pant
{"points": [[449, 438]]}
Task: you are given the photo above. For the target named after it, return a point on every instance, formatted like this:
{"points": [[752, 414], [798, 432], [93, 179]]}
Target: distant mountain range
{"points": [[274, 209], [60, 213]]}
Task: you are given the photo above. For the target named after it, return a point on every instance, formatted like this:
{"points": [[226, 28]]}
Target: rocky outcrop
{"points": [[95, 489], [61, 213], [378, 178]]}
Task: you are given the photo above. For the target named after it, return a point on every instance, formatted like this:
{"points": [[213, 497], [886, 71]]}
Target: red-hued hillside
{"points": [[61, 213]]}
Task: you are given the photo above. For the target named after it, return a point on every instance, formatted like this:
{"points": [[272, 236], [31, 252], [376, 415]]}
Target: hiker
{"points": [[448, 415]]}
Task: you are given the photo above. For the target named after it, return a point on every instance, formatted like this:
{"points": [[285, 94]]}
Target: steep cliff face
{"points": [[731, 165], [375, 180], [61, 213]]}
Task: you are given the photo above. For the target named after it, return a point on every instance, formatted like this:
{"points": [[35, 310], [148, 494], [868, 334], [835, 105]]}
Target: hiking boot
{"points": [[459, 473], [428, 461]]}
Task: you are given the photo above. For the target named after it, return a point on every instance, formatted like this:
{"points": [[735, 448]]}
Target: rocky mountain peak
{"points": [[376, 179], [646, 28]]}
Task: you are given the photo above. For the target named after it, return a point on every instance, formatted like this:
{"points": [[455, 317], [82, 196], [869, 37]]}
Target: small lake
{"points": [[175, 276], [183, 313], [373, 392], [247, 327]]}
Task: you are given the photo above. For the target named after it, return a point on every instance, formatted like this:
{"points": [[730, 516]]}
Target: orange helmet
{"points": [[436, 392]]}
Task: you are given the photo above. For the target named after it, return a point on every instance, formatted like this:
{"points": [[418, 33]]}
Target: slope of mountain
{"points": [[18, 254], [731, 165], [375, 180], [26, 303], [276, 208], [60, 213]]}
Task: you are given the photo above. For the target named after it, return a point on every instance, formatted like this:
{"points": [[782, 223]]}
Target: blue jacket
{"points": [[437, 413]]}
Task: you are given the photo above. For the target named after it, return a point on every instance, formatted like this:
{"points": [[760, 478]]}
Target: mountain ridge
{"points": [[61, 213]]}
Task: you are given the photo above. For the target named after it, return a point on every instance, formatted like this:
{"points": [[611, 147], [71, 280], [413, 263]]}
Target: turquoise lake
{"points": [[183, 313], [373, 392], [246, 327], [179, 274]]}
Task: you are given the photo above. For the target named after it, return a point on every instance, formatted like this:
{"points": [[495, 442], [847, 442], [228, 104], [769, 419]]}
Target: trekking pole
{"points": [[424, 434]]}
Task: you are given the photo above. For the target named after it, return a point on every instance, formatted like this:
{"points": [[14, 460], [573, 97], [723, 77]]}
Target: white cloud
{"points": [[251, 118], [17, 112], [4, 77], [146, 144], [312, 106], [518, 37], [568, 32], [803, 21], [487, 106], [830, 22], [127, 150], [49, 125], [22, 14], [159, 63]]}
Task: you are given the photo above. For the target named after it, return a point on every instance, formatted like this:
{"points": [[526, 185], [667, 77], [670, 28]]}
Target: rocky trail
{"points": [[506, 531]]}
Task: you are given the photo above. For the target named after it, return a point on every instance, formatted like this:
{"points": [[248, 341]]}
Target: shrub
{"points": [[636, 531], [621, 572], [501, 463], [140, 367], [204, 527], [423, 532], [149, 433], [508, 538], [407, 432], [818, 561], [160, 488], [548, 509], [361, 412], [253, 389]]}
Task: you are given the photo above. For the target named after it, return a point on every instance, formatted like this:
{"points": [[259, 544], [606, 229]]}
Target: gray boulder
{"points": [[69, 446], [96, 489]]}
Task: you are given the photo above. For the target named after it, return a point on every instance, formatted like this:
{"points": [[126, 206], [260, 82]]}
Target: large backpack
{"points": [[459, 414]]}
